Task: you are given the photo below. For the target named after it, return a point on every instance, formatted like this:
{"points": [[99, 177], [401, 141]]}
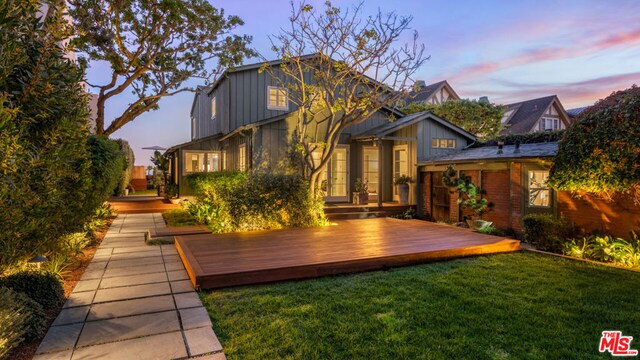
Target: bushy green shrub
{"points": [[107, 164], [600, 153], [127, 166], [546, 232], [179, 217], [490, 230], [74, 243], [528, 138], [235, 201], [44, 163], [43, 288], [21, 318], [606, 248]]}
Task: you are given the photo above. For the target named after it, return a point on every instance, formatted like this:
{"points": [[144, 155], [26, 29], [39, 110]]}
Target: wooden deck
{"points": [[223, 260]]}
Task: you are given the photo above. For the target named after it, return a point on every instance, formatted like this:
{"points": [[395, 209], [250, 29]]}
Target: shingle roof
{"points": [[576, 111], [526, 114], [537, 150], [424, 93], [385, 129]]}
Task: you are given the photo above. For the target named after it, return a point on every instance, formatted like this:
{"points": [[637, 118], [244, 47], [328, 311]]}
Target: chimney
{"points": [[517, 148], [484, 99], [500, 144], [420, 84]]}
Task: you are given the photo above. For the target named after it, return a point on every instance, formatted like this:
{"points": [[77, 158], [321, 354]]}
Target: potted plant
{"points": [[361, 194], [172, 194], [477, 205], [402, 182]]}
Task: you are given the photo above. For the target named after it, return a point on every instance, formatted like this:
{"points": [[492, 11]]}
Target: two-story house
{"points": [[542, 114], [245, 119]]}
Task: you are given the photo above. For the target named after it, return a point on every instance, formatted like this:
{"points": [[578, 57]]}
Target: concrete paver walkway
{"points": [[134, 301]]}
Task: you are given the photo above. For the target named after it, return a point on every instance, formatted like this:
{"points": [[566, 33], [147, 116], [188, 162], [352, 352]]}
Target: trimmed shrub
{"points": [[126, 171], [546, 232], [43, 288], [21, 318], [235, 201], [107, 164]]}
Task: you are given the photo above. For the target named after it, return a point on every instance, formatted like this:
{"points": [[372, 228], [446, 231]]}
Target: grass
{"points": [[178, 217], [522, 305]]}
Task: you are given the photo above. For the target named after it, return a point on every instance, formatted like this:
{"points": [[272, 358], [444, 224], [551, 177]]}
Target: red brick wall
{"points": [[616, 217], [516, 197], [426, 194], [496, 185]]}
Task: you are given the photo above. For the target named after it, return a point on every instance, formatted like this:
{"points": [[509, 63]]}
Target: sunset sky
{"points": [[506, 50]]}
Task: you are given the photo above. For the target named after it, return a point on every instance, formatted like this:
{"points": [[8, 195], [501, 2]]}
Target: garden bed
{"points": [[500, 306], [27, 349]]}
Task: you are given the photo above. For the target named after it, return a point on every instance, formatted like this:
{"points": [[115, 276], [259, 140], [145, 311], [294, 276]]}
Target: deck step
{"points": [[361, 215], [355, 208]]}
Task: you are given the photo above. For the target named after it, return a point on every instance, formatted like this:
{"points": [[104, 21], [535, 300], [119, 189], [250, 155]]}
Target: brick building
{"points": [[514, 180]]}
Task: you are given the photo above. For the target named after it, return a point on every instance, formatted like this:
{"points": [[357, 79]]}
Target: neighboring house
{"points": [[244, 120], [542, 114], [573, 113], [514, 180], [435, 93]]}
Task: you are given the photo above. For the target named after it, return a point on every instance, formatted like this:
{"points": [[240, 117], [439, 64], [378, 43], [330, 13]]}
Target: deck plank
{"points": [[222, 260]]}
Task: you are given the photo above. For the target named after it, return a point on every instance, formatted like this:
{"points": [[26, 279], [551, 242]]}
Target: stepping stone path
{"points": [[134, 301]]}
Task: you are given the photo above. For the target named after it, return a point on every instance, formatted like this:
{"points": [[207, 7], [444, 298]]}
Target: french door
{"points": [[400, 166], [338, 175]]}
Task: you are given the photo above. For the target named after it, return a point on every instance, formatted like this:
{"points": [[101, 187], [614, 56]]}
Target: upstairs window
{"points": [[443, 143], [277, 98], [549, 124], [213, 108]]}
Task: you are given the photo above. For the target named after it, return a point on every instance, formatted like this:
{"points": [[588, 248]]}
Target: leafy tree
{"points": [[44, 164], [340, 68], [600, 153], [477, 117], [152, 47]]}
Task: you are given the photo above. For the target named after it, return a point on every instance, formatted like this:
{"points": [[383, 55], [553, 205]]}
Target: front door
{"points": [[440, 198], [370, 170], [400, 166]]}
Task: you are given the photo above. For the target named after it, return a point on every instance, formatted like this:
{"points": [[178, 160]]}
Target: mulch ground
{"points": [[27, 349]]}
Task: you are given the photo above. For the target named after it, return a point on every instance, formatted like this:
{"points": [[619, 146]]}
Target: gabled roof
{"points": [[576, 111], [195, 97], [527, 113], [485, 153], [426, 92], [386, 129]]}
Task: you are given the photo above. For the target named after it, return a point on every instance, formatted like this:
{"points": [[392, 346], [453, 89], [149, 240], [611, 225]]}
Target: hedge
{"points": [[546, 232], [41, 287], [528, 138], [600, 153], [21, 318], [235, 201]]}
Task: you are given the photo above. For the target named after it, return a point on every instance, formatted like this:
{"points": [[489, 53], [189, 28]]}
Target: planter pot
{"points": [[403, 192], [175, 201], [477, 224], [126, 192], [161, 190], [360, 198]]}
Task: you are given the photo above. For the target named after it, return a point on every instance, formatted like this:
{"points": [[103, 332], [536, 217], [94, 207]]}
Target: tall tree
{"points": [[340, 68], [152, 47], [480, 118]]}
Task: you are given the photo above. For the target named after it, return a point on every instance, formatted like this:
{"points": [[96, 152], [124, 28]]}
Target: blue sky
{"points": [[507, 50]]}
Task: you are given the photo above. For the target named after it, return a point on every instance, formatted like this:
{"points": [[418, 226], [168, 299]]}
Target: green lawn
{"points": [[178, 217], [512, 306]]}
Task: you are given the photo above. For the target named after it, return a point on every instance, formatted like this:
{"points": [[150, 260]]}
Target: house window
{"points": [[370, 168], [242, 158], [548, 124], [443, 143], [277, 98], [213, 108], [201, 162], [539, 192]]}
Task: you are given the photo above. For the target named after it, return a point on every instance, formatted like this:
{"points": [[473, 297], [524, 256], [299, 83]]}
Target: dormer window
{"points": [[213, 108], [277, 98]]}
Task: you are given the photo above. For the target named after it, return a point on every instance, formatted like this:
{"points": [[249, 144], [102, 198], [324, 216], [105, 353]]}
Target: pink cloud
{"points": [[546, 54]]}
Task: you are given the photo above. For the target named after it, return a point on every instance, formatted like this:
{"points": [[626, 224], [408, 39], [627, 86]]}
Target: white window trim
{"points": [[286, 94], [214, 108], [206, 157]]}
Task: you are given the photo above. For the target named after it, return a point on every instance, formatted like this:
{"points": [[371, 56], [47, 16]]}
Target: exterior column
{"points": [[380, 172]]}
